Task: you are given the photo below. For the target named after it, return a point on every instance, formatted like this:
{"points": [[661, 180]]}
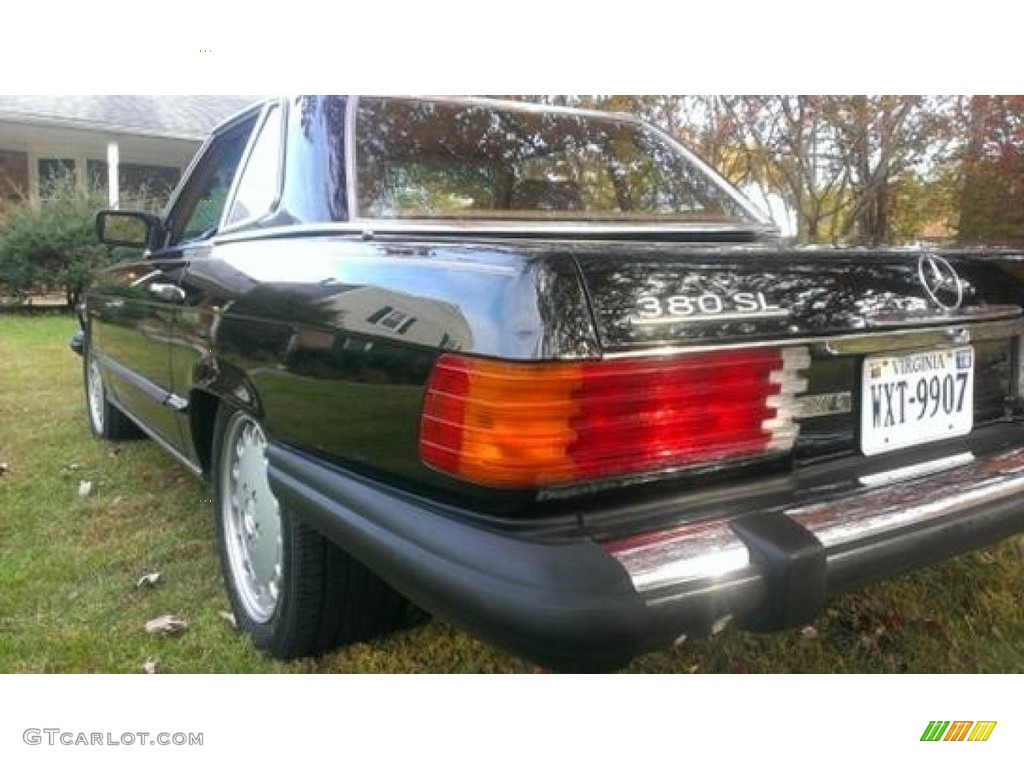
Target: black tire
{"points": [[324, 598], [106, 421]]}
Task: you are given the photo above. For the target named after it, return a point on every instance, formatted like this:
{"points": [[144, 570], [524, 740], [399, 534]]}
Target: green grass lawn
{"points": [[69, 565]]}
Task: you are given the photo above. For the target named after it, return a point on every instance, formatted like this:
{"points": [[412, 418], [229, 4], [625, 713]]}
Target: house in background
{"points": [[121, 144]]}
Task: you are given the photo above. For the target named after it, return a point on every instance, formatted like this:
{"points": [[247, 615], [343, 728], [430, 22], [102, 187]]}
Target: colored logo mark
{"points": [[958, 730]]}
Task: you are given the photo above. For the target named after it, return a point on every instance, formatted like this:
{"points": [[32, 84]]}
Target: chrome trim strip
{"points": [[243, 162], [950, 335], [268, 114], [190, 465], [172, 201], [351, 113], [706, 551], [526, 226], [792, 382], [368, 228], [127, 375], [900, 319], [752, 210], [520, 106], [1018, 362], [916, 470], [711, 550], [854, 343]]}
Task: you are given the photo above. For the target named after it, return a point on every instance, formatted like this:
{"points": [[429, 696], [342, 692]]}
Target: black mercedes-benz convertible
{"points": [[543, 373]]}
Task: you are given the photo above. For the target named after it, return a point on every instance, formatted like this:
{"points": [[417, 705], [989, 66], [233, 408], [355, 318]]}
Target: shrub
{"points": [[50, 244]]}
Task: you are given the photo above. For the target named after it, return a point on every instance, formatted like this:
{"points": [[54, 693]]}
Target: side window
{"points": [[198, 210], [257, 187]]}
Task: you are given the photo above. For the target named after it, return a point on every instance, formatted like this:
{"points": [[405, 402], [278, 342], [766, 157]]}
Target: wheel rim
{"points": [[94, 385], [252, 519]]}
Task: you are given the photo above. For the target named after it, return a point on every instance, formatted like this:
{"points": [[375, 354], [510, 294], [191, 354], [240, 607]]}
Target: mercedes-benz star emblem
{"points": [[940, 281]]}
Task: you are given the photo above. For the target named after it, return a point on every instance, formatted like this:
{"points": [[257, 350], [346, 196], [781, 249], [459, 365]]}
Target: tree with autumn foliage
{"points": [[992, 201], [869, 170]]}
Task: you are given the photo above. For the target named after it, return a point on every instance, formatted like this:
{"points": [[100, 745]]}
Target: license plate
{"points": [[912, 399]]}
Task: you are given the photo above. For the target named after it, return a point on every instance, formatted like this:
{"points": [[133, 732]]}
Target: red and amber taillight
{"points": [[522, 425]]}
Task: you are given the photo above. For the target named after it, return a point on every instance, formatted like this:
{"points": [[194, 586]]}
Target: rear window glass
{"points": [[422, 159]]}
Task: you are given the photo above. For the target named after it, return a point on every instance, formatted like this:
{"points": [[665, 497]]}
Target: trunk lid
{"points": [[682, 296]]}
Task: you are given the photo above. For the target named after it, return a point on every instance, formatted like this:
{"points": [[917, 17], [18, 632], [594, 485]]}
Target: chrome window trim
{"points": [[367, 228], [759, 216], [269, 107], [172, 201], [351, 111], [759, 223]]}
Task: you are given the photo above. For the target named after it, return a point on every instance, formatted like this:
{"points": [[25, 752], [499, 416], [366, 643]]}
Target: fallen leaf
{"points": [[229, 617], [809, 631], [84, 488], [72, 467], [166, 625], [986, 556], [894, 622], [3, 467], [150, 666], [739, 668], [148, 579], [721, 623]]}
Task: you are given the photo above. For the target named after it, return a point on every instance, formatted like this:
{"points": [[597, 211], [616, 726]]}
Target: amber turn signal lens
{"points": [[500, 424]]}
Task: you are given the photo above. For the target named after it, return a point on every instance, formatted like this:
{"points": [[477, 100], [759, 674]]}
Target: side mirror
{"points": [[135, 229]]}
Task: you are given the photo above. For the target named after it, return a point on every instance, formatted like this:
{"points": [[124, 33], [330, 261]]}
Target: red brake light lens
{"points": [[520, 425]]}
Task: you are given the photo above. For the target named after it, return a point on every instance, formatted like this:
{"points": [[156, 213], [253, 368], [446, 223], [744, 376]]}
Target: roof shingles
{"points": [[189, 117]]}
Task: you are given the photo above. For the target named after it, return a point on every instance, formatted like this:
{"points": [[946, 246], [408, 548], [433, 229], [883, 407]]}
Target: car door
{"points": [[134, 315]]}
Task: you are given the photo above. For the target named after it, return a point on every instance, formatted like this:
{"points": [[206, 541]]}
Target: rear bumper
{"points": [[572, 602]]}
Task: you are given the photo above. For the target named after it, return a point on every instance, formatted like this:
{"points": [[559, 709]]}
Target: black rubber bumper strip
{"points": [[792, 563], [563, 604]]}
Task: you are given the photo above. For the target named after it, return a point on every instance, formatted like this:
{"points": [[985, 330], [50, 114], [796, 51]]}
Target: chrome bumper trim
{"points": [[911, 471], [711, 550]]}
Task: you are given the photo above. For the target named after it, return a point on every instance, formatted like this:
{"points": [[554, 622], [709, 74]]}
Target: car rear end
{"points": [[763, 428]]}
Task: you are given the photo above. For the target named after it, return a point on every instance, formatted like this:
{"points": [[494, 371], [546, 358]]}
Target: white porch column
{"points": [[33, 175], [113, 158], [81, 174]]}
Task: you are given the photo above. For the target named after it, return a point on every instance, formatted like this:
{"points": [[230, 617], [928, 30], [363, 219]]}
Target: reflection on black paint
{"points": [[824, 293]]}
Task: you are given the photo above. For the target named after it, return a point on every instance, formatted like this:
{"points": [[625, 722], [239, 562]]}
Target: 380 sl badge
{"points": [[656, 310]]}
